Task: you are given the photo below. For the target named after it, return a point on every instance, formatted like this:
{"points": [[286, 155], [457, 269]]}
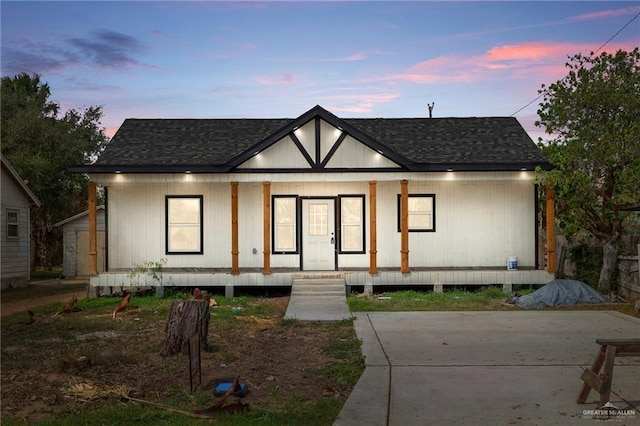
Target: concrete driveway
{"points": [[487, 368]]}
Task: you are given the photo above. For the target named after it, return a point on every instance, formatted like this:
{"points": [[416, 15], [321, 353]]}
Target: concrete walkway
{"points": [[318, 299], [487, 368]]}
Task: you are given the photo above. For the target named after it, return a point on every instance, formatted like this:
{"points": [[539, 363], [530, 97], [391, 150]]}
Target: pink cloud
{"points": [[110, 131], [605, 14], [537, 60], [284, 79], [359, 103]]}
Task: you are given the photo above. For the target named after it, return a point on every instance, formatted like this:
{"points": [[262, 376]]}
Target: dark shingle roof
{"points": [[216, 145], [185, 141], [484, 140]]}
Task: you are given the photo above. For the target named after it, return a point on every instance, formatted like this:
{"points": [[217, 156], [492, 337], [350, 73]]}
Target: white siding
{"points": [[250, 219], [353, 154], [136, 225], [307, 137], [481, 218], [15, 251], [284, 154], [478, 224]]}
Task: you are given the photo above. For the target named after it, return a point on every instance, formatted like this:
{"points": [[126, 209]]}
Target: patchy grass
{"points": [[486, 298], [297, 372], [483, 299]]}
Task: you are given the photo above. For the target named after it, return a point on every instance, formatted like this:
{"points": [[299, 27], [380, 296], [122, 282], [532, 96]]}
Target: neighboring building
{"points": [[75, 237], [17, 201], [250, 202]]}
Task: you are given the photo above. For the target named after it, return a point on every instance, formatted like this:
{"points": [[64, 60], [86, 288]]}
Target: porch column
{"points": [[551, 229], [266, 227], [404, 226], [234, 229], [93, 231], [373, 229]]}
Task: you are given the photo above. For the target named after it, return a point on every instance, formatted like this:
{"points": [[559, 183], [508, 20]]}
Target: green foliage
{"points": [[588, 261], [592, 117], [149, 271], [42, 143]]}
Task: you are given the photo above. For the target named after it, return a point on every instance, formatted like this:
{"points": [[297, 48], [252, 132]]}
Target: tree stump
{"points": [[186, 318]]}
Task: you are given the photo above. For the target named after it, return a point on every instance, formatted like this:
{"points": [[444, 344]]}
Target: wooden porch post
{"points": [[234, 229], [551, 229], [266, 227], [93, 231], [404, 226], [373, 229]]}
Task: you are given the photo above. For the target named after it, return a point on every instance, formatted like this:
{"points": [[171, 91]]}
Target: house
{"points": [[17, 201], [380, 201], [75, 241]]}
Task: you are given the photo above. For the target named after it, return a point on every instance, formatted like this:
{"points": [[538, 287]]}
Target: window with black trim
{"points": [[12, 223], [184, 224], [284, 232], [352, 224], [422, 212]]}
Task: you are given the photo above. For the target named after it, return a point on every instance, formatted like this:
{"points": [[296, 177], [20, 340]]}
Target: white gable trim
{"points": [[283, 154], [353, 154]]}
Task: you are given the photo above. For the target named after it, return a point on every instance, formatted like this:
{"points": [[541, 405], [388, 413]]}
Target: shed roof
{"points": [[417, 144], [78, 216]]}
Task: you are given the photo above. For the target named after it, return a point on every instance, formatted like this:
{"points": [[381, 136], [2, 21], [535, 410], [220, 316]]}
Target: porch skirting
{"points": [[431, 277]]}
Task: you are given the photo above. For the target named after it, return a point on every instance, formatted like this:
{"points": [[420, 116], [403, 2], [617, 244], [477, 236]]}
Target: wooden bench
{"points": [[600, 375]]}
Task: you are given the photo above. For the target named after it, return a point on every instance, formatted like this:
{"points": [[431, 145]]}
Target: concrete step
{"points": [[321, 287], [318, 299], [313, 287], [325, 293], [319, 281]]}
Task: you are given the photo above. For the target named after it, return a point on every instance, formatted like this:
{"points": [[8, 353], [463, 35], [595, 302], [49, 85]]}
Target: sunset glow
{"points": [[278, 59]]}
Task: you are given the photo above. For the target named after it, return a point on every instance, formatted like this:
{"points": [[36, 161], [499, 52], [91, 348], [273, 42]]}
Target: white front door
{"points": [[318, 234]]}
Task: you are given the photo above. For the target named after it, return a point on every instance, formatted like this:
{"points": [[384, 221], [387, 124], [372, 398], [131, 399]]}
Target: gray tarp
{"points": [[559, 293]]}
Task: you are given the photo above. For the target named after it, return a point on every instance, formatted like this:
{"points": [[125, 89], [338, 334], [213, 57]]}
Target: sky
{"points": [[235, 59]]}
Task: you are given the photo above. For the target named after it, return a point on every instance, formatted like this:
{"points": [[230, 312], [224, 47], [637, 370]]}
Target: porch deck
{"points": [[436, 278]]}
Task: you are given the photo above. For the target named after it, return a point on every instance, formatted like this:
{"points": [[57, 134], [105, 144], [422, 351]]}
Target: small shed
{"points": [[15, 227], [75, 256]]}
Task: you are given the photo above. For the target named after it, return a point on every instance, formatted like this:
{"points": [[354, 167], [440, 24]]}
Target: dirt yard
{"points": [[74, 361]]}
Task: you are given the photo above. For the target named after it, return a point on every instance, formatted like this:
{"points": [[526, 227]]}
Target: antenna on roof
{"points": [[431, 105]]}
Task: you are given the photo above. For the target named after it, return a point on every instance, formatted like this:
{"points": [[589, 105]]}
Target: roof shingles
{"points": [[424, 142]]}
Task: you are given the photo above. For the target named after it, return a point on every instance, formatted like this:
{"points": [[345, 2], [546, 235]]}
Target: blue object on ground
{"points": [[224, 387]]}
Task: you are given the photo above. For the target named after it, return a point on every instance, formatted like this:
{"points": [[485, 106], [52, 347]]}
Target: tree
{"points": [[593, 116], [41, 143]]}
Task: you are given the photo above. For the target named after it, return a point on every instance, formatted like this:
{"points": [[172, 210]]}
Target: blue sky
{"points": [[164, 59]]}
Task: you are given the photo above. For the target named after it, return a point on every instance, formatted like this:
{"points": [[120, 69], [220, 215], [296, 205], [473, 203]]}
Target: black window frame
{"points": [[166, 227], [433, 214], [341, 250], [296, 232]]}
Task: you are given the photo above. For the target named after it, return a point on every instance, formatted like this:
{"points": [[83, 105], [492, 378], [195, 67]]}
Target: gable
{"points": [[21, 188], [317, 145], [318, 141]]}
